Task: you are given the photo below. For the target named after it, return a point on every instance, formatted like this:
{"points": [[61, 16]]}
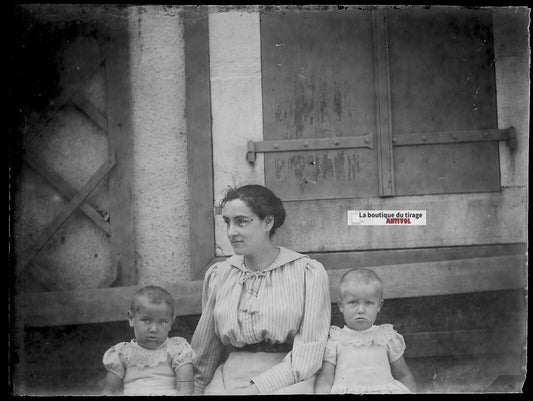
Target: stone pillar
{"points": [[160, 149]]}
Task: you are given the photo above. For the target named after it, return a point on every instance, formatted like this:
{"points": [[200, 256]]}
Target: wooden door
{"points": [[318, 82], [419, 82], [73, 220]]}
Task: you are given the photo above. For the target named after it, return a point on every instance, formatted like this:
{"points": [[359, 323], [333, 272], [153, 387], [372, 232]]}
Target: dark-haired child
{"points": [[152, 363]]}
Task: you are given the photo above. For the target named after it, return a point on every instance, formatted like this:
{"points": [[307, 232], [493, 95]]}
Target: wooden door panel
{"points": [[442, 79], [446, 168], [452, 220], [317, 83]]}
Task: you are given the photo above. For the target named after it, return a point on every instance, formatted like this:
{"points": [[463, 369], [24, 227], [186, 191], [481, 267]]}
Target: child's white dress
{"points": [[362, 359], [148, 372]]}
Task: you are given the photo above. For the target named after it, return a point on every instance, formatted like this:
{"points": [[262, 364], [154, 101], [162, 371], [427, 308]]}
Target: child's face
{"points": [[360, 304], [151, 323]]}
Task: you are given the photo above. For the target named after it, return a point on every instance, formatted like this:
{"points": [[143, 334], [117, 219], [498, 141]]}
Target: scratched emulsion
{"points": [[318, 83]]}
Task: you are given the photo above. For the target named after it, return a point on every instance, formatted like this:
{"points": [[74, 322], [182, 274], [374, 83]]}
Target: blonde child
{"points": [[361, 357], [152, 363]]}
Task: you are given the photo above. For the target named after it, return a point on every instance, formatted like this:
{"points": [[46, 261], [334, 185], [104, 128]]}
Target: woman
{"points": [[265, 311]]}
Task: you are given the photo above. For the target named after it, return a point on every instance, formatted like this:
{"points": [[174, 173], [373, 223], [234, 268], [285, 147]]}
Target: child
{"points": [[152, 363], [361, 357]]}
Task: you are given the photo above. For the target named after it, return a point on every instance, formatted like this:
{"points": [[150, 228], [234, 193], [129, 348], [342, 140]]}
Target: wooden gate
{"points": [[73, 210]]}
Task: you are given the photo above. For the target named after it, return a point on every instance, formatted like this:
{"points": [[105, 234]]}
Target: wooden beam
{"points": [[369, 258], [383, 103], [27, 254], [100, 305], [452, 220], [90, 110], [446, 277], [69, 192], [199, 141], [120, 133], [463, 342], [401, 281]]}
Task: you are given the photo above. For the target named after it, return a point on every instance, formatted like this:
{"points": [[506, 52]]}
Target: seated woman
{"points": [[265, 311]]}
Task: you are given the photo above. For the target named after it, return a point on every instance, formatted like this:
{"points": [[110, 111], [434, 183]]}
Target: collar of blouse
{"points": [[256, 278]]}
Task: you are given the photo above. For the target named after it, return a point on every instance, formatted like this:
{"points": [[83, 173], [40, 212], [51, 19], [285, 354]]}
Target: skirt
{"points": [[394, 387], [241, 366]]}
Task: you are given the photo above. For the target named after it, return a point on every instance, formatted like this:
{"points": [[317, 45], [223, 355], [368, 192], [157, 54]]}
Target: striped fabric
{"points": [[288, 302]]}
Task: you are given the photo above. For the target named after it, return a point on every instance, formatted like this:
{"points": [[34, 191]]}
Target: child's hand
{"points": [[184, 380], [111, 384], [401, 372]]}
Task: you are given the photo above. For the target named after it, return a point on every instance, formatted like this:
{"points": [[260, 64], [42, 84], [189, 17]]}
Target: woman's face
{"points": [[246, 232]]}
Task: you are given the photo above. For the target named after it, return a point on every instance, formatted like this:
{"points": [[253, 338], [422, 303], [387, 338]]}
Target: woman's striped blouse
{"points": [[288, 302]]}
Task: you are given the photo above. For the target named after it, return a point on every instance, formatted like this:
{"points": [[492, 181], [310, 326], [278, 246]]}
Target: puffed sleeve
{"points": [[330, 353], [180, 352], [309, 343], [395, 345], [112, 361], [205, 343]]}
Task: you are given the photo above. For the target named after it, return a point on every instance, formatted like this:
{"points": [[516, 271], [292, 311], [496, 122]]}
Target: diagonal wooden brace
{"points": [[44, 277], [90, 110], [66, 190], [27, 255]]}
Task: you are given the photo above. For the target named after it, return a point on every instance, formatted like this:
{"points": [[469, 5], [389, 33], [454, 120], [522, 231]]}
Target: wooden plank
{"points": [[442, 65], [66, 190], [312, 89], [463, 342], [446, 277], [99, 305], [421, 138], [369, 258], [447, 168], [90, 110], [119, 112], [401, 281], [199, 141], [64, 214], [383, 103], [452, 220]]}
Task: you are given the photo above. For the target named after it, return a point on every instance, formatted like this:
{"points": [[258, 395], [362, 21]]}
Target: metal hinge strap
{"points": [[291, 145], [431, 138]]}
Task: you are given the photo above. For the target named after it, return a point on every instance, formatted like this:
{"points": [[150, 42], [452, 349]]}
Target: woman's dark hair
{"points": [[261, 201]]}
